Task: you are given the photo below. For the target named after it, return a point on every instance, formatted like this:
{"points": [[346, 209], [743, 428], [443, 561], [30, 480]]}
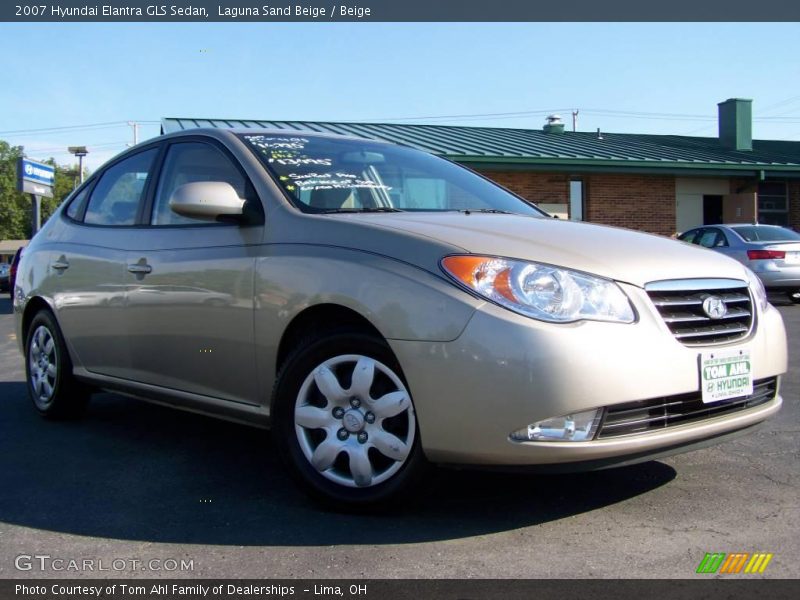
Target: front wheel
{"points": [[344, 421]]}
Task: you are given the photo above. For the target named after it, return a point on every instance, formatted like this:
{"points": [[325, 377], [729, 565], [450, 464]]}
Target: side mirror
{"points": [[207, 200]]}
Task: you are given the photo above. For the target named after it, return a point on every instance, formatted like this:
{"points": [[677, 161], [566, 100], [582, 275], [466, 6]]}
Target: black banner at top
{"points": [[33, 11]]}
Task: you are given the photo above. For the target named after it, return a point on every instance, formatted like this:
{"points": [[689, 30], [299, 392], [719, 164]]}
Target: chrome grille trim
{"points": [[645, 416], [675, 285], [680, 304]]}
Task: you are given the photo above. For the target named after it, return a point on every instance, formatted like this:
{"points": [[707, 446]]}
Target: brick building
{"points": [[657, 183]]}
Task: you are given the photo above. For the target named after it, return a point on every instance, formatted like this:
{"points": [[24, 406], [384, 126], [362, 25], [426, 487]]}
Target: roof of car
{"points": [[735, 225]]}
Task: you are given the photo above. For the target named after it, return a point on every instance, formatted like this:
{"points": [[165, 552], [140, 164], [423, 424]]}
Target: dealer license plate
{"points": [[725, 374], [792, 258]]}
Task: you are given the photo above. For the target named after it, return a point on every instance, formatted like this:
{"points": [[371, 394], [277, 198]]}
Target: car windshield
{"points": [[323, 174], [766, 233]]}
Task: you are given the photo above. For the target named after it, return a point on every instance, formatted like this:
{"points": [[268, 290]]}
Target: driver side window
{"points": [[189, 162]]}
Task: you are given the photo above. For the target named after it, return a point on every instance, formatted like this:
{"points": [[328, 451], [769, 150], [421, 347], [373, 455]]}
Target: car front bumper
{"points": [[506, 371]]}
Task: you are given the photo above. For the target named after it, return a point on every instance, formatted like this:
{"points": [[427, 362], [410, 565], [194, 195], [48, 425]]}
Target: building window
{"points": [[773, 203], [576, 200]]}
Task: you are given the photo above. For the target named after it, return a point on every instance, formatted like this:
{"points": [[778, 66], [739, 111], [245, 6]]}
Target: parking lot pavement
{"points": [[135, 481]]}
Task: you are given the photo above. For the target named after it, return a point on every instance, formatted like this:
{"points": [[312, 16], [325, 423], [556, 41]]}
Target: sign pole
{"points": [[36, 214], [37, 179]]}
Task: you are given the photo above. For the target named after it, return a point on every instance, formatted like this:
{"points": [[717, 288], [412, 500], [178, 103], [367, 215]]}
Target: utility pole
{"points": [[575, 119], [135, 126]]}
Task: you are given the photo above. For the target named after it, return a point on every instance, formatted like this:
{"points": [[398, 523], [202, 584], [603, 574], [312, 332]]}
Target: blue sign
{"points": [[35, 178], [36, 172]]}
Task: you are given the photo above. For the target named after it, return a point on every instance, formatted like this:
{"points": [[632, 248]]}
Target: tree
{"points": [[15, 207]]}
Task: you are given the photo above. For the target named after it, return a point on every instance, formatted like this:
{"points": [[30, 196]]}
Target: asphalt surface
{"points": [[134, 481]]}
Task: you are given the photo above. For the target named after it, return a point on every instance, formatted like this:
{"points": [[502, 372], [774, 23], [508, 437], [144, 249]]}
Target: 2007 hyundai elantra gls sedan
{"points": [[381, 308]]}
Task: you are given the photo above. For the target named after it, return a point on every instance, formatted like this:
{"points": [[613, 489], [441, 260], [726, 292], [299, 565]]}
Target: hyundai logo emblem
{"points": [[715, 307]]}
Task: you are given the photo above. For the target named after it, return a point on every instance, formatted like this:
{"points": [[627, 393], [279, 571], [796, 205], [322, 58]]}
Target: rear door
{"points": [[89, 265], [190, 285]]}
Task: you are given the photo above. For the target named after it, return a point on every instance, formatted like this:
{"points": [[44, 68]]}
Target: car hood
{"points": [[620, 254]]}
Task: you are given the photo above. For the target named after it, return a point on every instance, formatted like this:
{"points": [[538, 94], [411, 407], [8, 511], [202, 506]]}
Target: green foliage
{"points": [[15, 207]]}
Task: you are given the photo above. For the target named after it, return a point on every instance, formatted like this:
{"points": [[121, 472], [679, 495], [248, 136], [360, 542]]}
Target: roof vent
{"points": [[553, 125], [736, 124]]}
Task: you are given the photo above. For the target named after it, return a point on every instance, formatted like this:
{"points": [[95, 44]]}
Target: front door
{"points": [[712, 209], [190, 287]]}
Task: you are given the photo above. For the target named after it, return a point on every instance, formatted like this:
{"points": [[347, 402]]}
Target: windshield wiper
{"points": [[366, 209], [497, 211]]}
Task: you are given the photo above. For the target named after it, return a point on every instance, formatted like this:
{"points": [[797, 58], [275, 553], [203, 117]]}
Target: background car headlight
{"points": [[577, 427], [541, 291], [758, 289]]}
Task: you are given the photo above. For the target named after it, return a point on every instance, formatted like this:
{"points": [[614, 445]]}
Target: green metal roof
{"points": [[487, 146]]}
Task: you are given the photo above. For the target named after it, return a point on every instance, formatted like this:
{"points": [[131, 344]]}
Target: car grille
{"points": [[680, 304], [659, 413]]}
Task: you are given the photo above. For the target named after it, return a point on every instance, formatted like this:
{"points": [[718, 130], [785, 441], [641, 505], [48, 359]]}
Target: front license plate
{"points": [[792, 258], [725, 374]]}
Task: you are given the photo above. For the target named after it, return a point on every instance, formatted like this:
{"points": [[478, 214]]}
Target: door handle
{"points": [[140, 268], [61, 264]]}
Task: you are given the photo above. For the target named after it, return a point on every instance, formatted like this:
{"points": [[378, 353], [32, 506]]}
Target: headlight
{"points": [[577, 427], [758, 289], [541, 291]]}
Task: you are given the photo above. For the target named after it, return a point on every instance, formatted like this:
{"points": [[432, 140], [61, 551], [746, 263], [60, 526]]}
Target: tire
{"points": [[356, 444], [794, 296], [51, 386]]}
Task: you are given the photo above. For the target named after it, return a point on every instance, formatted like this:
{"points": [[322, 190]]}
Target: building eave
{"points": [[760, 171]]}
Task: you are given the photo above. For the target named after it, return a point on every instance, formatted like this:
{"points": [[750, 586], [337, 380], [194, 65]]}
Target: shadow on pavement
{"points": [[136, 471]]}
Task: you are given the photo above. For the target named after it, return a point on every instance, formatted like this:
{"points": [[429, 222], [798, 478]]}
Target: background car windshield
{"points": [[766, 233], [323, 174]]}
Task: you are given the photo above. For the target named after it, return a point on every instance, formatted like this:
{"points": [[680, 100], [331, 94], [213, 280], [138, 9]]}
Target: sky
{"points": [[96, 77]]}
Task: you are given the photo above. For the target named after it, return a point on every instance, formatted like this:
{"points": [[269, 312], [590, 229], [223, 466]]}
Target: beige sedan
{"points": [[381, 308]]}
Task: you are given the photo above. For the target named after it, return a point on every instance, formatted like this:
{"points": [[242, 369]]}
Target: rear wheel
{"points": [[344, 421], [51, 386], [794, 296]]}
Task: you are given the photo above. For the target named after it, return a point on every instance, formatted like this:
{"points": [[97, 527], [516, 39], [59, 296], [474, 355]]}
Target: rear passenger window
{"points": [[76, 204], [115, 199], [190, 162]]}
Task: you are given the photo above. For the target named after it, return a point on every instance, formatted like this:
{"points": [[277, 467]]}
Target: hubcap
{"points": [[43, 366], [353, 421], [355, 436]]}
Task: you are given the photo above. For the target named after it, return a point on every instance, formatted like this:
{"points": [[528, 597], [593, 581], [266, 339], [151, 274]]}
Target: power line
{"points": [[520, 113], [698, 130], [65, 127], [62, 150], [73, 127], [643, 113], [784, 102]]}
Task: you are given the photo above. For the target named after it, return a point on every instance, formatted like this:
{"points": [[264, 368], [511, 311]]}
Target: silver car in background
{"points": [[380, 308], [771, 252]]}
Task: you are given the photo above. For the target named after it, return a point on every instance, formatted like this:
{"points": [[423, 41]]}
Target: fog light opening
{"points": [[574, 427]]}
